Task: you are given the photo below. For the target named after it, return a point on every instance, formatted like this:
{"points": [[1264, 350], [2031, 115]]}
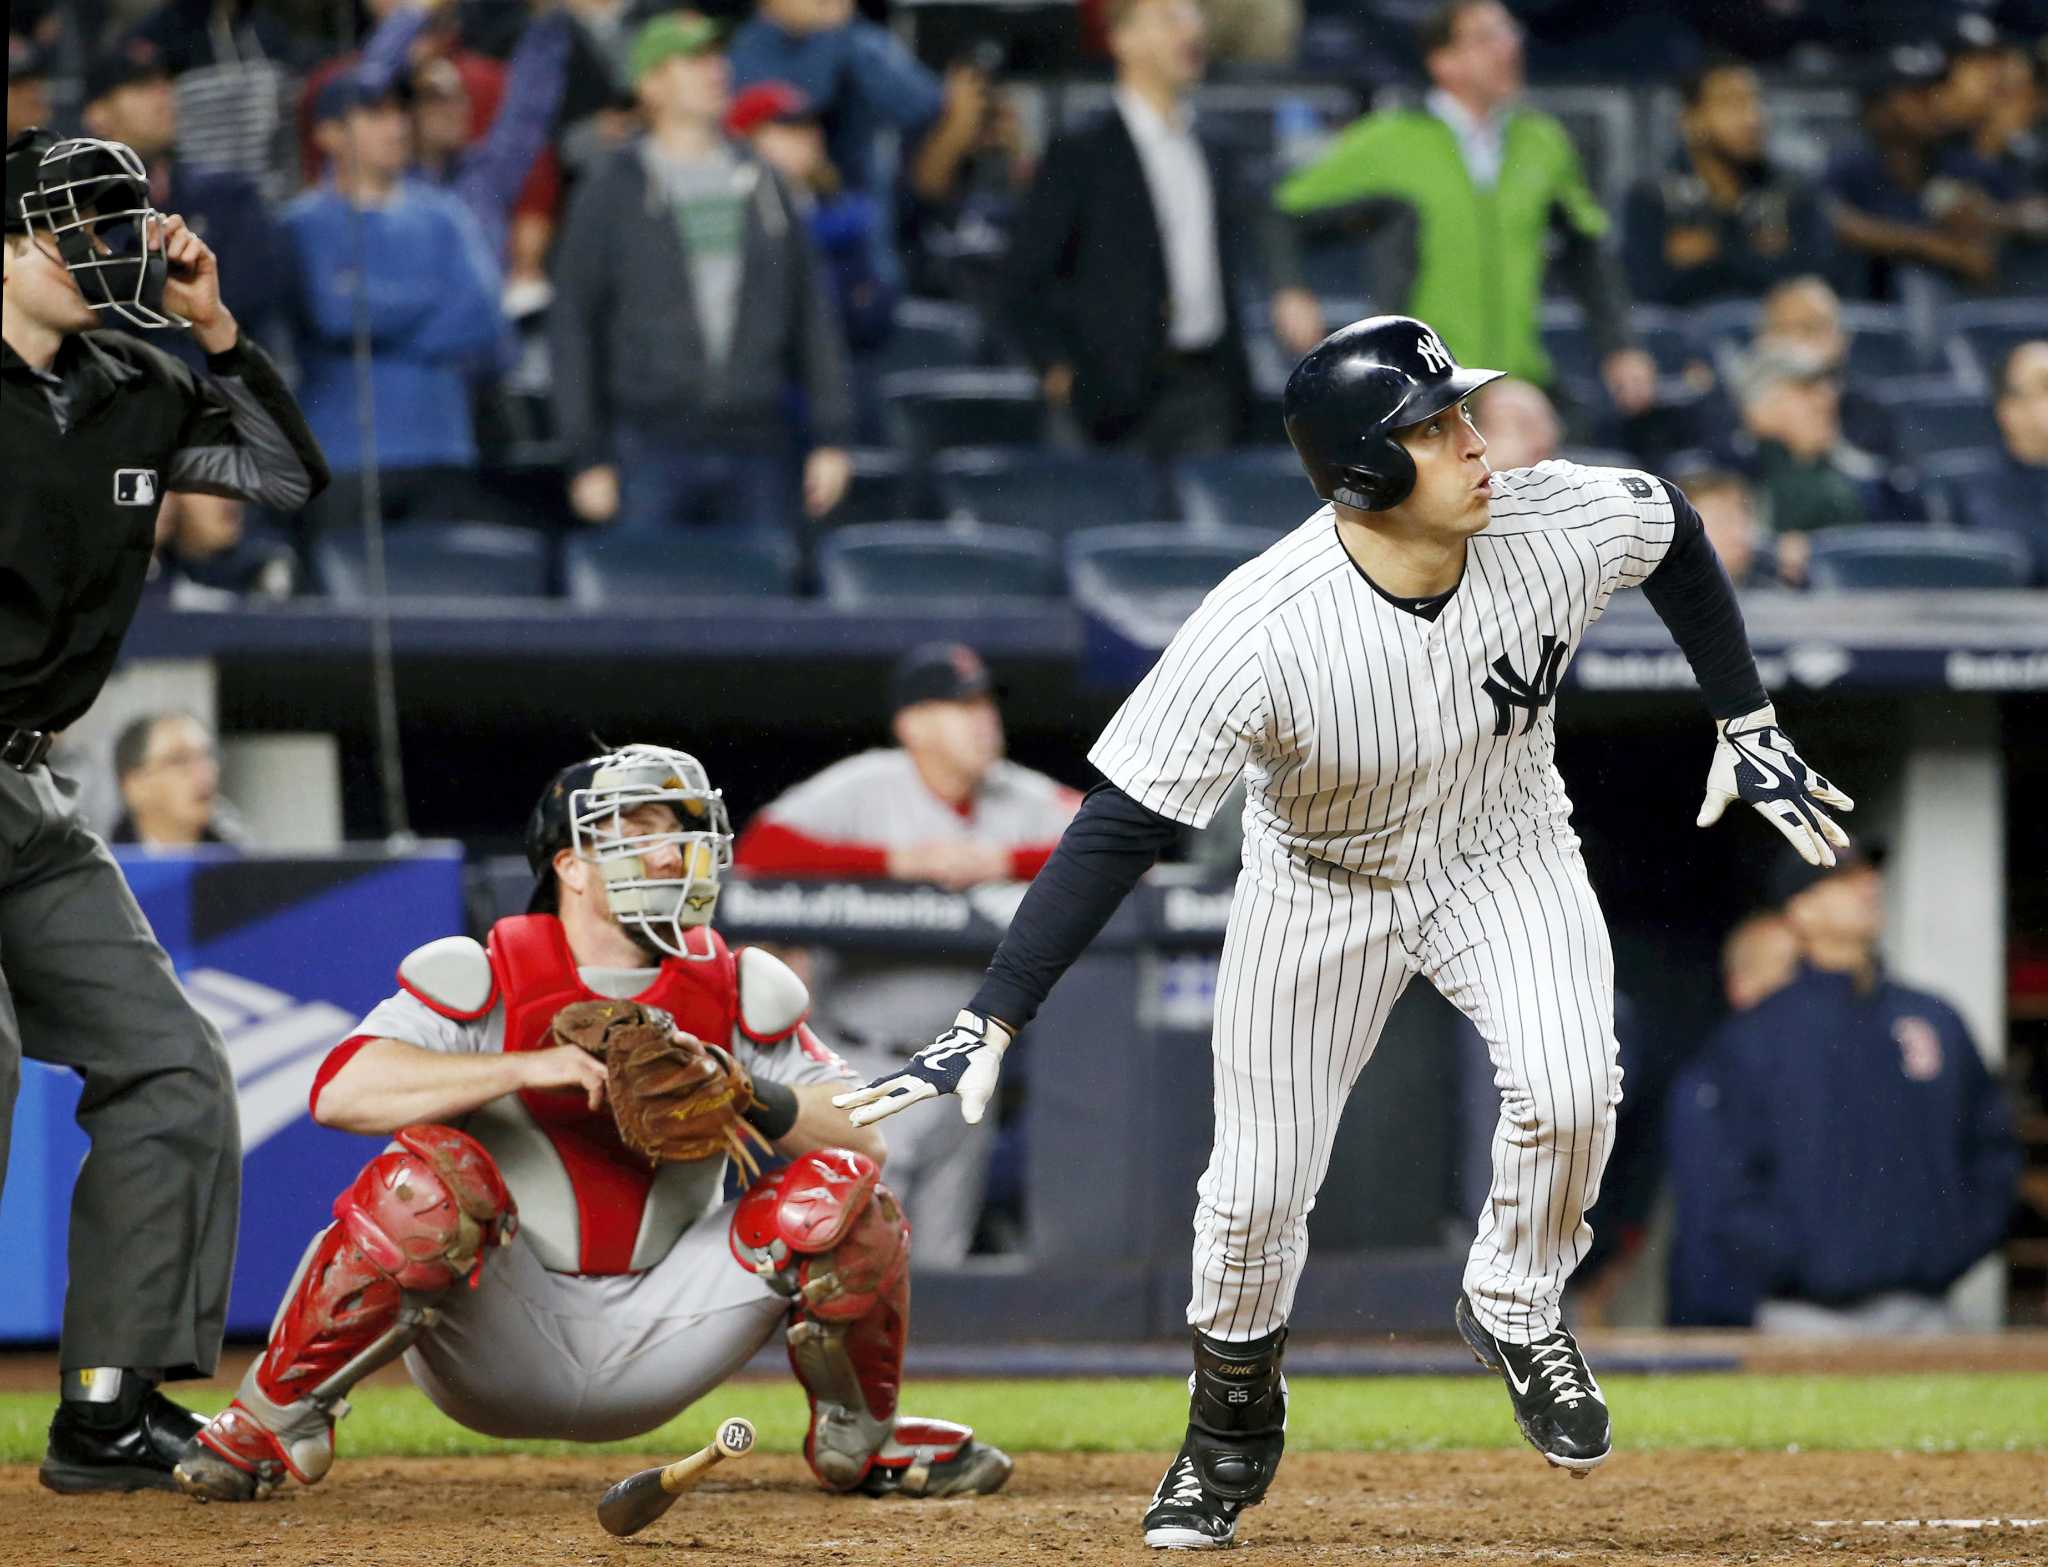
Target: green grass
{"points": [[1944, 1413]]}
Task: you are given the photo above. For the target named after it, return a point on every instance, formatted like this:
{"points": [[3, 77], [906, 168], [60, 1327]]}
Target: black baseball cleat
{"points": [[1558, 1404], [136, 1456], [1185, 1514]]}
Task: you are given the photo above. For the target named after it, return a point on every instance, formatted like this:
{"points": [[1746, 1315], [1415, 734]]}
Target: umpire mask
{"points": [[662, 908], [91, 197]]}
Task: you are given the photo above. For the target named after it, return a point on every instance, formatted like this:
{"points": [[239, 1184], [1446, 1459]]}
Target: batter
{"points": [[1382, 678]]}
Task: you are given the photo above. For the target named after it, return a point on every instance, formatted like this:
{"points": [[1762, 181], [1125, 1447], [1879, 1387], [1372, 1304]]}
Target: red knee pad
{"points": [[416, 1219], [424, 1213], [826, 1231]]}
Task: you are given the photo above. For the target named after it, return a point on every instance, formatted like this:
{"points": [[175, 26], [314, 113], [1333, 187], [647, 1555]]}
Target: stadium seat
{"points": [[1944, 475], [1992, 328], [1726, 320], [1156, 561], [438, 560], [1881, 343], [1257, 487], [931, 410], [1934, 418], [930, 565], [1601, 124], [703, 563], [1049, 492], [931, 334], [1847, 559], [1666, 335], [880, 490]]}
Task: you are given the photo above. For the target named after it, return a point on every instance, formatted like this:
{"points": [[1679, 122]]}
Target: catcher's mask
{"points": [[91, 197], [583, 811]]}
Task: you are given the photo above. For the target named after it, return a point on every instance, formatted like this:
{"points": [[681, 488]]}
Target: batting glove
{"points": [[964, 1060], [1755, 763]]}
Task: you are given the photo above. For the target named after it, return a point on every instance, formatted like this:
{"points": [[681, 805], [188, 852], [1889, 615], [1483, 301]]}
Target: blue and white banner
{"points": [[284, 955]]}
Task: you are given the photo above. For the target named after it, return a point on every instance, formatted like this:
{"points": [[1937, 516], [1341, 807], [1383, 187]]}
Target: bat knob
{"points": [[735, 1437]]}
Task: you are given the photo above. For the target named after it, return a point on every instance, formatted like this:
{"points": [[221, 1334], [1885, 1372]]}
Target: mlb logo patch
{"points": [[134, 486]]}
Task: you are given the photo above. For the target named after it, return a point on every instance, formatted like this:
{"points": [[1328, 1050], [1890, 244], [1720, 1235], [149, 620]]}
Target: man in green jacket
{"points": [[1462, 195]]}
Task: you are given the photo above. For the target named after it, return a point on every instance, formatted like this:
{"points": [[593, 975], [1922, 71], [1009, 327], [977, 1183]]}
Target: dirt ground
{"points": [[1902, 1510]]}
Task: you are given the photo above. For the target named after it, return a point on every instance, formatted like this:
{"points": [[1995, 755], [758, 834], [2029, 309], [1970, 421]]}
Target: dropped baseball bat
{"points": [[636, 1501]]}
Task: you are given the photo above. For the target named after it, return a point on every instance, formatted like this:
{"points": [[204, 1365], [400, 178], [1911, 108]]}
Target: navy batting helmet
{"points": [[1355, 388]]}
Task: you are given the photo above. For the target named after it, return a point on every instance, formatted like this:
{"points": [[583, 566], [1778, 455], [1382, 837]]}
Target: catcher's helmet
{"points": [[581, 809], [1355, 388], [91, 197]]}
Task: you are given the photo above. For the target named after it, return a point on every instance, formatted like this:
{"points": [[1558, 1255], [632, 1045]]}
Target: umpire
{"points": [[95, 426]]}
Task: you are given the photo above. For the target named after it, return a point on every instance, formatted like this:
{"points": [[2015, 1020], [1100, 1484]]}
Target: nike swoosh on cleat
{"points": [[1519, 1384]]}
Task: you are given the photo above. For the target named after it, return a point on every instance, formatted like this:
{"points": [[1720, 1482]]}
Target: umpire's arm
{"points": [[244, 436]]}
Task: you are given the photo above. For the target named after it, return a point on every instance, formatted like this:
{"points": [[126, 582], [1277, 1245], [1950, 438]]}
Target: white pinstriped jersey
{"points": [[1372, 738]]}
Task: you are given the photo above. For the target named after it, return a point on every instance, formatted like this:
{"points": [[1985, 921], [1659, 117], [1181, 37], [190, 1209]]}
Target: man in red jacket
{"points": [[941, 806]]}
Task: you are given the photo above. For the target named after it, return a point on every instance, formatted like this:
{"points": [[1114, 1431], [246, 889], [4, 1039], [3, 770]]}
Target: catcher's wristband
{"points": [[773, 1112]]}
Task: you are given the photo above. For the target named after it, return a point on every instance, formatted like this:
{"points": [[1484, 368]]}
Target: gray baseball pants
{"points": [[84, 984]]}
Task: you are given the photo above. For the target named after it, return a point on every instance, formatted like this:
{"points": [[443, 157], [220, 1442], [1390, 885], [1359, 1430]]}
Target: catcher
{"points": [[562, 1106]]}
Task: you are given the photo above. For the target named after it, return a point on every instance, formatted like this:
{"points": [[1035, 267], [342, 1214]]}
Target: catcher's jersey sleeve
{"points": [[1181, 740], [800, 1059], [410, 1021]]}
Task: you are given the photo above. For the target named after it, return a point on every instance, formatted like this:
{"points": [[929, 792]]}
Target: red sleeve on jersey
{"points": [[1028, 859], [771, 849], [337, 1058]]}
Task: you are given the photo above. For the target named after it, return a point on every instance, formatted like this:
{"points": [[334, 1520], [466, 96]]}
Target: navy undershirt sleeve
{"points": [[1692, 595], [1111, 842]]}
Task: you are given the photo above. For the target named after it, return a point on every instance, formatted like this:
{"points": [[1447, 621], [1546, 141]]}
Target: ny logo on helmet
{"points": [[1433, 352]]}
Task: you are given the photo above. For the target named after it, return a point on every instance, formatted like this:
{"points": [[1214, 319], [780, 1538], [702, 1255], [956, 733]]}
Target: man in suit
{"points": [[1122, 281]]}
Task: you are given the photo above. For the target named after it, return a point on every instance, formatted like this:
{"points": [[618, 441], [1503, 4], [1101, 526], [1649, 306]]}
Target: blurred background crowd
{"points": [[585, 294], [945, 303]]}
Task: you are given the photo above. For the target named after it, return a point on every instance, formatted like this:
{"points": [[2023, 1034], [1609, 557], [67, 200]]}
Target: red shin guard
{"points": [[419, 1217]]}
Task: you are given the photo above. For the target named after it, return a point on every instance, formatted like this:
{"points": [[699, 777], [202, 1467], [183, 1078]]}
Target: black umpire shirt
{"points": [[89, 447]]}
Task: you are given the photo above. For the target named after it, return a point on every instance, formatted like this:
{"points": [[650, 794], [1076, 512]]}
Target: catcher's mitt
{"points": [[675, 1099]]}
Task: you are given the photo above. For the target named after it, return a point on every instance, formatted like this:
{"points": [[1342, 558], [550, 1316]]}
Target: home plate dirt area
{"points": [[1495, 1507]]}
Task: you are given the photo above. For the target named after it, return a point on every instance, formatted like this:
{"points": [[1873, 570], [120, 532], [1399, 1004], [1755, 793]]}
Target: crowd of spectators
{"points": [[621, 269]]}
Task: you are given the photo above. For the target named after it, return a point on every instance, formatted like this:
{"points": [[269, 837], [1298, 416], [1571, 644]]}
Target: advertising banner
{"points": [[285, 955]]}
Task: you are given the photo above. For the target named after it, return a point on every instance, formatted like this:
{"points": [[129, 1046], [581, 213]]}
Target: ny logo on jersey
{"points": [[1510, 691], [1433, 352]]}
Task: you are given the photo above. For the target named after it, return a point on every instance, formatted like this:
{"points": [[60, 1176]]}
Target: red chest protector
{"points": [[537, 977]]}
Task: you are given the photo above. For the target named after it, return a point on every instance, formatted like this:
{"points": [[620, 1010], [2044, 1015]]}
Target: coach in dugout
{"points": [[1839, 1153], [96, 426], [943, 806]]}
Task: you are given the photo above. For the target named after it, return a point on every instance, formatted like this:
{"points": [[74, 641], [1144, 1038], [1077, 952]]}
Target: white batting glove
{"points": [[1755, 763], [965, 1060]]}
